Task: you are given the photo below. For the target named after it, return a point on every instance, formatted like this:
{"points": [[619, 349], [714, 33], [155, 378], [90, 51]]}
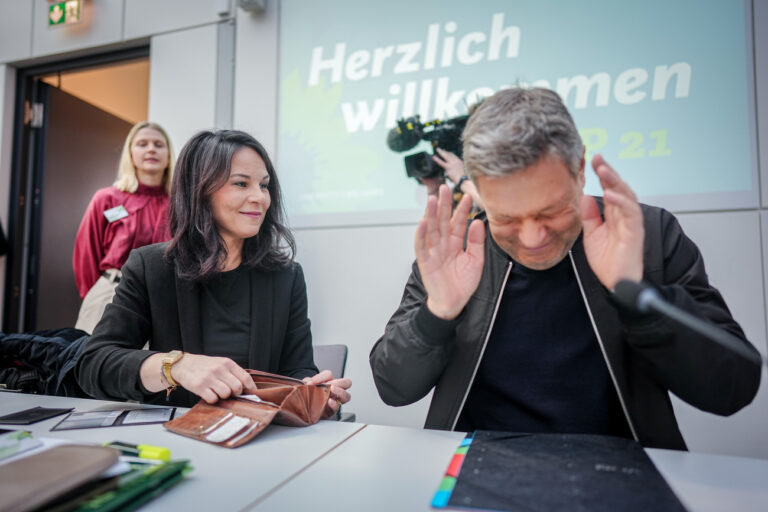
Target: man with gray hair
{"points": [[513, 323]]}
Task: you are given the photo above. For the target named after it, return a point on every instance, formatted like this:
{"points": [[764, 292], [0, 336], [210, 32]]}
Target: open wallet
{"points": [[235, 421]]}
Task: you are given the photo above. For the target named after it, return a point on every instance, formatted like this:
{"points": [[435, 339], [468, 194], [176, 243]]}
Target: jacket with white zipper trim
{"points": [[647, 356]]}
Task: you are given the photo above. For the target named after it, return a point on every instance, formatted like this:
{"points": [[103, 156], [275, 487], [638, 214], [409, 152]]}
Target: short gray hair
{"points": [[515, 128]]}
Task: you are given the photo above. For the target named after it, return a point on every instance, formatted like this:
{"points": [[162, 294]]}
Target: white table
{"points": [[353, 467], [378, 469], [709, 483], [223, 479], [391, 468]]}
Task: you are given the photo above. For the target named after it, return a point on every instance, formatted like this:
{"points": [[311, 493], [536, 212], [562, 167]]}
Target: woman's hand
{"points": [[210, 378], [339, 393]]}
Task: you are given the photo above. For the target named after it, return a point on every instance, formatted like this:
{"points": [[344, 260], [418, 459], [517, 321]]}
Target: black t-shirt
{"points": [[542, 369], [225, 307]]}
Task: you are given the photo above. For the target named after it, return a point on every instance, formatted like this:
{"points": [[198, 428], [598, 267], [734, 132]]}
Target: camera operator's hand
{"points": [[454, 169], [450, 274], [432, 184], [451, 164]]}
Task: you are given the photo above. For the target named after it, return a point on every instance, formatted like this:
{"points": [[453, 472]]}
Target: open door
{"points": [[65, 149], [82, 145]]}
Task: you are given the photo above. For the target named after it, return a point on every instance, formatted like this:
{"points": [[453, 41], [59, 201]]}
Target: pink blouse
{"points": [[101, 244]]}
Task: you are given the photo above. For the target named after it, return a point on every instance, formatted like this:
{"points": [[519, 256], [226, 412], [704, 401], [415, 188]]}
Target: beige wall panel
{"points": [[102, 24], [761, 86], [182, 81], [730, 244], [355, 276], [256, 70], [15, 26], [355, 279], [149, 17]]}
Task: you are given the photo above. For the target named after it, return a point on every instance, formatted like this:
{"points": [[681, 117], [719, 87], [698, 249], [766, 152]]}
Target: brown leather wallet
{"points": [[237, 420], [34, 481]]}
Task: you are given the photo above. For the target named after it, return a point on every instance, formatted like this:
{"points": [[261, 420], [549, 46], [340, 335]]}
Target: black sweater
{"points": [[542, 370], [152, 304]]}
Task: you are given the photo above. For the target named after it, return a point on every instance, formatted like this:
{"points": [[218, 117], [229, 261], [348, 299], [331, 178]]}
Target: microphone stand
{"points": [[648, 299]]}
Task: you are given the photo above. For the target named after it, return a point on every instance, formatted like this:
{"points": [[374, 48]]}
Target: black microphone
{"points": [[643, 298], [404, 136]]}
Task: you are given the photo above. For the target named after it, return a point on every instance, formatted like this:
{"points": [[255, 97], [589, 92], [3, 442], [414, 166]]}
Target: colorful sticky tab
{"points": [[440, 499], [455, 466], [447, 484], [443, 494]]}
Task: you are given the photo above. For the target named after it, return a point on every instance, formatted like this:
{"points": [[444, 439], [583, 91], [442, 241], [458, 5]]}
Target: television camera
{"points": [[443, 134]]}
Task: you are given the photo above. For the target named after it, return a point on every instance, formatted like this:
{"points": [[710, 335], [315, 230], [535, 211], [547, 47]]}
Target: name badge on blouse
{"points": [[116, 213]]}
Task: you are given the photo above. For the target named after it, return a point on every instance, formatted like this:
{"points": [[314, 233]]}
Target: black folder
{"points": [[541, 472]]}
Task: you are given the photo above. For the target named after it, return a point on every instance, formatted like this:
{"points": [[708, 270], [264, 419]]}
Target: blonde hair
{"points": [[126, 172]]}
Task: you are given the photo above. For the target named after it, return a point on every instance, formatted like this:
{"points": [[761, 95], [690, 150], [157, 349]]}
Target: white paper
{"points": [[252, 398], [228, 429], [147, 416]]}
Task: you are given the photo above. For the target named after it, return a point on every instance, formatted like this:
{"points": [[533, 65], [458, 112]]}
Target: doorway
{"points": [[71, 123]]}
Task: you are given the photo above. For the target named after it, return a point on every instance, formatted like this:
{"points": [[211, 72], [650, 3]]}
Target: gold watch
{"points": [[171, 358]]}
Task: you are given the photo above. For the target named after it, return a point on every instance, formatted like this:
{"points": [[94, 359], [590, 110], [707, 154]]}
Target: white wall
{"points": [[102, 24], [731, 244], [355, 276], [761, 85], [191, 78], [191, 69], [192, 51], [15, 30], [182, 81], [256, 75], [192, 47], [152, 17]]}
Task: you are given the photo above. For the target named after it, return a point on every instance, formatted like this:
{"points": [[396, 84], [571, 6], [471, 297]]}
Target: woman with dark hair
{"points": [[224, 294]]}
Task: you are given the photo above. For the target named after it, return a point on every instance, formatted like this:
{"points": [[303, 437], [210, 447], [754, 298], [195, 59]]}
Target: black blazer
{"points": [[152, 304]]}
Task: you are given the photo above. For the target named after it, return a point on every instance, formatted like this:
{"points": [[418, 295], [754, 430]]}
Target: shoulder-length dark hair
{"points": [[196, 247]]}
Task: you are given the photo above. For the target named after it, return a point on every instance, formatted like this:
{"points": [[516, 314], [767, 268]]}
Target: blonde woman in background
{"points": [[130, 214]]}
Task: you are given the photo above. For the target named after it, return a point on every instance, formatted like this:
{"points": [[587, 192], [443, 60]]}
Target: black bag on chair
{"points": [[42, 362]]}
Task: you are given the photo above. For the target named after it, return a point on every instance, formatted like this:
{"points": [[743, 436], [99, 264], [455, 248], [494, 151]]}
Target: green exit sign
{"points": [[64, 13]]}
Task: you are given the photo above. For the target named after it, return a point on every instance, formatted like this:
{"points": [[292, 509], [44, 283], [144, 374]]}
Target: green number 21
{"points": [[634, 147]]}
